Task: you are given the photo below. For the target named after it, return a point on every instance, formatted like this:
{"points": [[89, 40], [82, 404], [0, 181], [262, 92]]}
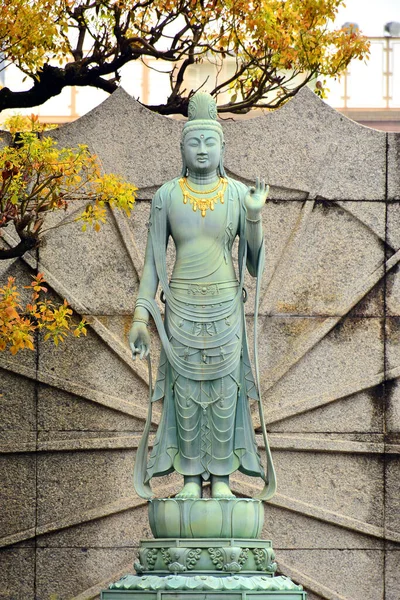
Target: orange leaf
{"points": [[11, 312]]}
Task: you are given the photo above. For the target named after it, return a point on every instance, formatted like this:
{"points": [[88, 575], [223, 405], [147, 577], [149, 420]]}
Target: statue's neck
{"points": [[203, 178]]}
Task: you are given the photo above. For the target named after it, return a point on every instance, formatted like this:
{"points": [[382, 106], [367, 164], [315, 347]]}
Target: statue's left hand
{"points": [[255, 198]]}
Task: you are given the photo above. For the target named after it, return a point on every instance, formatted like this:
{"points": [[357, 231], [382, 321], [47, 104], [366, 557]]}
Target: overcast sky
{"points": [[370, 15]]}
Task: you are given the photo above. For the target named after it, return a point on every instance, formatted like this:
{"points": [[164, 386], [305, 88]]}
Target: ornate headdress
{"points": [[202, 114]]}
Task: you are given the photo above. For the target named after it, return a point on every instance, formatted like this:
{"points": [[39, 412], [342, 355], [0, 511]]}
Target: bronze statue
{"points": [[204, 376]]}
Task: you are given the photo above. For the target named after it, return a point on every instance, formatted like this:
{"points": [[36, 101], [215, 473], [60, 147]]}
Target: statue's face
{"points": [[202, 150]]}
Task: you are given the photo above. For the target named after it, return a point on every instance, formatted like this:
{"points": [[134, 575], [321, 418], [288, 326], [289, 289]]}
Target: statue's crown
{"points": [[202, 113], [202, 106]]}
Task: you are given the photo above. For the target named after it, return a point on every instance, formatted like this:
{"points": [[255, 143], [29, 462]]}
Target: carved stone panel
{"points": [[329, 340]]}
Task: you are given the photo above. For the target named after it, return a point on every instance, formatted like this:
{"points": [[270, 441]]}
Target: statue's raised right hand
{"points": [[139, 340]]}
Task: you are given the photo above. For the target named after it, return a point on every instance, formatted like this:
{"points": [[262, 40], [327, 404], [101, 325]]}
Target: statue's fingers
{"points": [[147, 352], [142, 351], [258, 184], [133, 349]]}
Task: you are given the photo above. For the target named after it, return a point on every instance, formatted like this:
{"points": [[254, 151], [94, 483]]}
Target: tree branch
{"points": [[123, 31], [186, 63], [51, 81], [28, 242]]}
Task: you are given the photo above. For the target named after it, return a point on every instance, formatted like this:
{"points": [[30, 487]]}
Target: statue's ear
{"points": [[221, 161], [184, 167]]}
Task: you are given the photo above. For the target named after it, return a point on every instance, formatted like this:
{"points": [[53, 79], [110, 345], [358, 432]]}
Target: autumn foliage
{"points": [[18, 324], [36, 179], [274, 47]]}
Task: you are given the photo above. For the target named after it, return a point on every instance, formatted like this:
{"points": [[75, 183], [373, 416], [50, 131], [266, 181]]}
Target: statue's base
{"points": [[204, 569], [206, 517], [204, 595]]}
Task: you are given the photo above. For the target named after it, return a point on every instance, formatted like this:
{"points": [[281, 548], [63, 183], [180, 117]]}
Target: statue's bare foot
{"points": [[190, 490], [220, 489]]}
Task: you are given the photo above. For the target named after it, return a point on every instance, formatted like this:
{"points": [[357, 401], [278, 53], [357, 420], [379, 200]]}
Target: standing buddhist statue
{"points": [[204, 376], [203, 547]]}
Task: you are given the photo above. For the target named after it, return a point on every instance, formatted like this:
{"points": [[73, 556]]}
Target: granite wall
{"points": [[329, 346]]}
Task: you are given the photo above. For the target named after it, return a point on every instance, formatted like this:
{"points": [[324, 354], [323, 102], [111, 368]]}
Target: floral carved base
{"points": [[235, 587], [199, 556], [218, 568], [225, 561]]}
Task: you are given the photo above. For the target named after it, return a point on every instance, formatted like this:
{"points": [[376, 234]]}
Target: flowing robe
{"points": [[204, 375]]}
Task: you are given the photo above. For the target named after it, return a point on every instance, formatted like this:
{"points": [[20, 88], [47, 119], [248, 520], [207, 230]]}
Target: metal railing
{"points": [[372, 84]]}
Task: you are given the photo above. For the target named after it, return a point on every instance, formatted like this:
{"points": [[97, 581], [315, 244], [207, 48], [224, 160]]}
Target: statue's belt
{"points": [[203, 288]]}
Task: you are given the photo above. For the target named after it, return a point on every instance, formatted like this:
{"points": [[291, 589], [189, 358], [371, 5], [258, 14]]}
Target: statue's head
{"points": [[202, 134]]}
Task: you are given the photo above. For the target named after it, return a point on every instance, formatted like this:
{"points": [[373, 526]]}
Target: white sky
{"points": [[370, 15]]}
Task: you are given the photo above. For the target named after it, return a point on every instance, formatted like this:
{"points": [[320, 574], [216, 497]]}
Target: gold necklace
{"points": [[200, 191], [203, 204]]}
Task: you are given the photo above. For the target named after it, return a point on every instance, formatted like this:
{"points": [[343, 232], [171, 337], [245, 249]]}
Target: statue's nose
{"points": [[202, 149]]}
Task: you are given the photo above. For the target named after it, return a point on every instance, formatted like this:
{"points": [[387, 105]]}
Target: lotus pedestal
{"points": [[205, 549]]}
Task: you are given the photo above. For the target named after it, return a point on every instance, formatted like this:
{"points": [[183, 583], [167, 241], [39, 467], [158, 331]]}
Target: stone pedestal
{"points": [[205, 595], [205, 567]]}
